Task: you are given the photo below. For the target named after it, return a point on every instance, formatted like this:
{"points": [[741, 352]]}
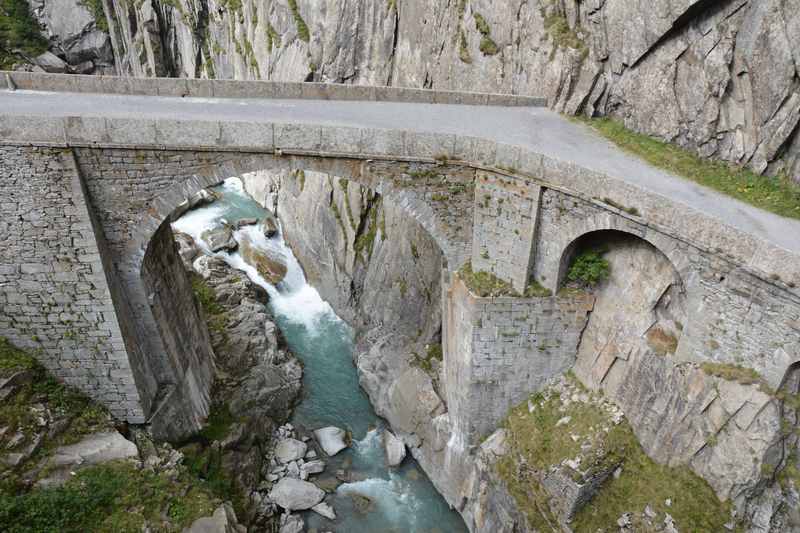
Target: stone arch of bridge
{"points": [[176, 365], [556, 266]]}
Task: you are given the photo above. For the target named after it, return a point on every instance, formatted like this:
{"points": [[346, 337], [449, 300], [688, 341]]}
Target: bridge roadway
{"points": [[535, 128]]}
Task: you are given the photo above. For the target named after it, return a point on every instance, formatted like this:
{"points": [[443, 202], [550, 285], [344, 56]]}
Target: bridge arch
{"points": [[175, 362]]}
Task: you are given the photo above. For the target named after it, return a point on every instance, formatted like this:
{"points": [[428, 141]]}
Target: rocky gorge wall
{"points": [[719, 77]]}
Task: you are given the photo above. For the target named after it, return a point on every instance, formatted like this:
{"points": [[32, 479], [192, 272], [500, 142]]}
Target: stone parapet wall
{"points": [[501, 350], [201, 88], [55, 298]]}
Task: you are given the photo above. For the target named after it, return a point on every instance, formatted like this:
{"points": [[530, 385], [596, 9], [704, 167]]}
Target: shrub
{"points": [[588, 269], [18, 31]]}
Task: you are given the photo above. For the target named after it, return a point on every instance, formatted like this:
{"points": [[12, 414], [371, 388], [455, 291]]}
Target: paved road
{"points": [[536, 128]]}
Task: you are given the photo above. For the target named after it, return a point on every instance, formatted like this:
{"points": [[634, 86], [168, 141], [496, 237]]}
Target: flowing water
{"points": [[403, 499]]}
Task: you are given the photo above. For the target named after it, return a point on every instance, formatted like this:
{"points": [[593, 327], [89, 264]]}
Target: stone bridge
{"points": [[92, 169]]}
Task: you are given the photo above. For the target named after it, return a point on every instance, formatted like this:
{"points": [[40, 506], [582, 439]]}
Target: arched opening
{"points": [[639, 309]]}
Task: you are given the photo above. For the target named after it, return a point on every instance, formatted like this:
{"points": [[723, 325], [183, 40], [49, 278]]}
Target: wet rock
{"points": [[361, 503], [199, 199], [394, 448], [242, 222], [328, 483], [295, 494], [269, 226], [331, 439], [222, 521], [324, 509], [270, 265], [220, 238]]}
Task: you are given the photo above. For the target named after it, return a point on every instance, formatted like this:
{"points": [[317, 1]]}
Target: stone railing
{"points": [[671, 218], [184, 87]]}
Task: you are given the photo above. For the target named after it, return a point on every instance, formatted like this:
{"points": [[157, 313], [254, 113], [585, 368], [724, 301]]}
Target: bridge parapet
{"points": [[203, 88]]}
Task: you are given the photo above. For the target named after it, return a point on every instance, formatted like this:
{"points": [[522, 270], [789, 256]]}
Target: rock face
{"points": [[289, 450], [271, 267], [394, 448], [296, 495], [222, 521], [718, 77]]}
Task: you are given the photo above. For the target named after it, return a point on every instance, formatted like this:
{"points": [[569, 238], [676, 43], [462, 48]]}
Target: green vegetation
{"points": [[485, 284], [95, 7], [273, 39], [535, 290], [302, 28], [18, 31], [366, 239], [557, 26], [588, 269], [113, 497], [426, 362], [739, 374], [488, 47], [215, 314], [776, 194], [540, 438]]}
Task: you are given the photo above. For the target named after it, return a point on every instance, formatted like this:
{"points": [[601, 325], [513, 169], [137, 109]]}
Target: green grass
{"points": [[779, 195], [302, 27], [95, 7], [113, 497], [535, 290], [739, 374], [485, 284], [18, 31], [537, 442], [588, 269]]}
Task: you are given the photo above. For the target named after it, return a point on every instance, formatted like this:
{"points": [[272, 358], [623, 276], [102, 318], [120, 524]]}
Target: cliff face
{"points": [[716, 76]]}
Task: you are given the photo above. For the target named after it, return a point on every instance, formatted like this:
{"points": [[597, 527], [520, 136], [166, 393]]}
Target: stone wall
{"points": [[505, 227], [55, 297], [732, 316], [500, 350]]}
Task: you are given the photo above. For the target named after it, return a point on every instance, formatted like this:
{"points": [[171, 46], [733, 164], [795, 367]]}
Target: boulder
{"points": [[222, 521], [394, 447], [332, 439], [269, 226], [50, 62], [220, 238], [95, 449], [84, 67], [295, 494], [92, 46], [325, 509], [313, 467], [199, 199], [292, 523], [289, 450], [270, 265], [242, 222]]}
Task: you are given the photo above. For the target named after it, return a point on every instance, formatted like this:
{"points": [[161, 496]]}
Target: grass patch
{"points": [[778, 195], [485, 284], [558, 28], [662, 342], [488, 47], [535, 290], [114, 497], [302, 27], [18, 31], [463, 50], [739, 374], [539, 439], [588, 269]]}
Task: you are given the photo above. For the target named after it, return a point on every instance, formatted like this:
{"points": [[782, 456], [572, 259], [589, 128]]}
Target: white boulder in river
{"points": [[394, 447], [295, 494], [289, 450], [332, 439]]}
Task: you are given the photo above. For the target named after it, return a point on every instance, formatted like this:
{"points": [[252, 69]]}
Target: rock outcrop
{"points": [[719, 77]]}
